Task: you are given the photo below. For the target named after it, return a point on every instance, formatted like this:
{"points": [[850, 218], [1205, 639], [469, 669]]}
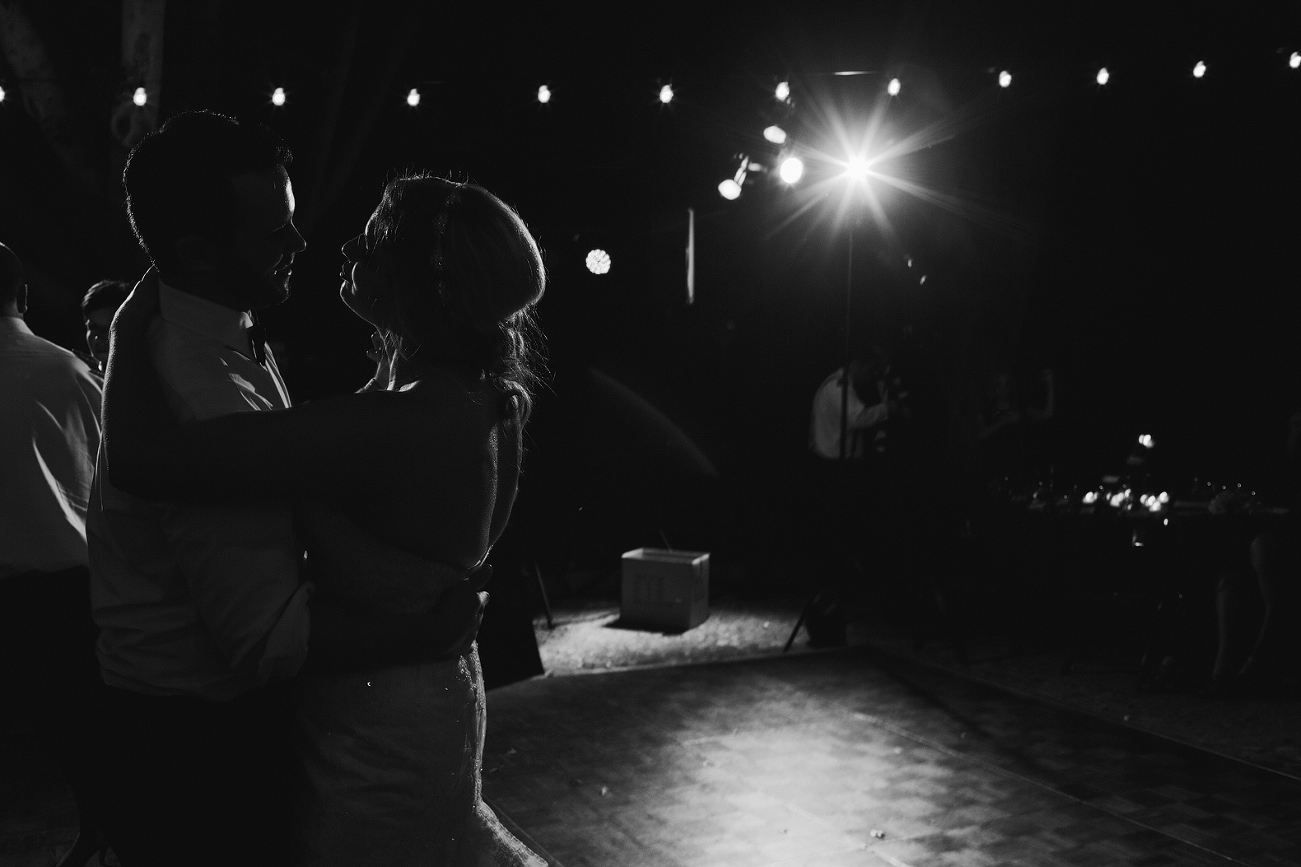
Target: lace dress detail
{"points": [[392, 757]]}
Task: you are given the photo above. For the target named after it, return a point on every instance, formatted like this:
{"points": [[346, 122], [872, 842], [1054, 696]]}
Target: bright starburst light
{"points": [[856, 163], [791, 170]]}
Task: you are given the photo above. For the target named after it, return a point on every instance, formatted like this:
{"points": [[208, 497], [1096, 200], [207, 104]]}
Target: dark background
{"points": [[1140, 238]]}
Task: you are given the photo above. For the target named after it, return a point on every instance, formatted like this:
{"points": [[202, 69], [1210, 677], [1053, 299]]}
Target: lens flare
{"points": [[792, 169], [856, 169], [598, 261]]}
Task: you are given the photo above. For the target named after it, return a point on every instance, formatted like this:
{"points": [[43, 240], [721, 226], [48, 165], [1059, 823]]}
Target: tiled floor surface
{"points": [[854, 758]]}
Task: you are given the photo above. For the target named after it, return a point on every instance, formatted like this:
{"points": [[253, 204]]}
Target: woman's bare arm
{"points": [[362, 445]]}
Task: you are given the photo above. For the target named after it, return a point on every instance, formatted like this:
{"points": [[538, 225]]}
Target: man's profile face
{"points": [[258, 254], [97, 323]]}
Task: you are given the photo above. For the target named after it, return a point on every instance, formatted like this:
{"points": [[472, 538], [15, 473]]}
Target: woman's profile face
{"points": [[360, 274]]}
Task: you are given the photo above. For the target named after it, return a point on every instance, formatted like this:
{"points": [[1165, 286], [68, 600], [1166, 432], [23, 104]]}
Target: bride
{"points": [[413, 478]]}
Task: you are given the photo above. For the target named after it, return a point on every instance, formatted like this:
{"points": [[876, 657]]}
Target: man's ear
{"points": [[20, 298], [196, 253]]}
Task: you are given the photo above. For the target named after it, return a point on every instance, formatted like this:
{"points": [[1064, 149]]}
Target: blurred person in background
{"points": [[49, 433]]}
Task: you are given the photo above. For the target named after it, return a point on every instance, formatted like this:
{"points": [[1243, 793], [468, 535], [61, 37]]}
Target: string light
{"points": [[413, 98], [140, 97], [1199, 70], [544, 94], [1103, 75], [784, 89], [1004, 78], [598, 261], [1295, 60], [893, 87], [775, 134], [666, 94], [791, 170], [278, 97]]}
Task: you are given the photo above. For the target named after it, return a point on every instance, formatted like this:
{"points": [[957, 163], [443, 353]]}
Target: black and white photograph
{"points": [[825, 434]]}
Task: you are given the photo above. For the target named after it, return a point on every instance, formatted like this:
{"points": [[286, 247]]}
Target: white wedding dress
{"points": [[391, 758]]}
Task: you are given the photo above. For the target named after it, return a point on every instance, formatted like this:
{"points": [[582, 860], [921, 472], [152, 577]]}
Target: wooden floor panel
{"points": [[856, 758]]}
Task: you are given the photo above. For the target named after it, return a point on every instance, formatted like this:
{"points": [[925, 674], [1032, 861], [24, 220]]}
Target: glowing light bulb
{"points": [[413, 98], [1295, 60], [775, 134], [278, 97], [1146, 441], [1090, 497], [1154, 505], [1199, 70], [1103, 75], [729, 189], [140, 97], [544, 94], [1004, 78], [893, 87], [791, 170], [2, 94], [666, 94], [598, 261], [1116, 500], [922, 282], [1164, 496], [784, 90]]}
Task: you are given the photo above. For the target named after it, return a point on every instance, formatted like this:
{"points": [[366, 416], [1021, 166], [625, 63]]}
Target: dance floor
{"points": [[852, 757]]}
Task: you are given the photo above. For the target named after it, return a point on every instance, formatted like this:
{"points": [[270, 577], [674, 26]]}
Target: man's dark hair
{"points": [[11, 275], [178, 179], [106, 294]]}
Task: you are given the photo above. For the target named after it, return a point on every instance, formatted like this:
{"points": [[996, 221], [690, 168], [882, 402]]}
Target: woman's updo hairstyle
{"points": [[468, 276]]}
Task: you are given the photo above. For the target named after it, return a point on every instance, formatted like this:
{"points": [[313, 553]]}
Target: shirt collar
{"points": [[226, 326]]}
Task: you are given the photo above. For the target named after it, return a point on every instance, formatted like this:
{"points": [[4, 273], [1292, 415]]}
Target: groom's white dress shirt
{"points": [[190, 599]]}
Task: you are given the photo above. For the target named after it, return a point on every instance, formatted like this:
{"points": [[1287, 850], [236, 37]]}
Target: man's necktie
{"points": [[257, 337]]}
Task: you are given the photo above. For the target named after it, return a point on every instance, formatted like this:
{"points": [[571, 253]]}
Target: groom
{"points": [[202, 613]]}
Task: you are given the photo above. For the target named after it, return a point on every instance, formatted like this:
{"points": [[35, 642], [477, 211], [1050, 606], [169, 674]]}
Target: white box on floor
{"points": [[668, 589]]}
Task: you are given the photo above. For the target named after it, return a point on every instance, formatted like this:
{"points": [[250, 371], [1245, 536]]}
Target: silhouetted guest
{"points": [[97, 308], [49, 432], [863, 408], [1006, 430], [1275, 558]]}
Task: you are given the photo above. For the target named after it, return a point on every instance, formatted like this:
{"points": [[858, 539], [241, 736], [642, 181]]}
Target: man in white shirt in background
{"points": [[49, 433], [202, 614]]}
